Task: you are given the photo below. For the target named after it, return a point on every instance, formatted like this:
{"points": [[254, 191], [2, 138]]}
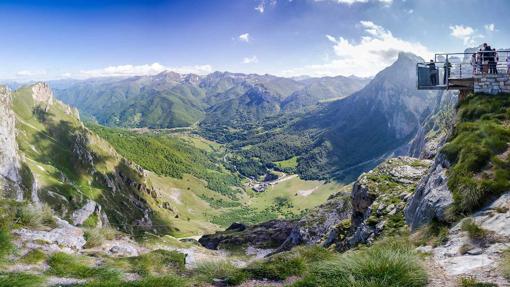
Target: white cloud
{"points": [[143, 70], [490, 27], [466, 34], [245, 37], [261, 8], [376, 49], [250, 60], [29, 73], [351, 2], [66, 75]]}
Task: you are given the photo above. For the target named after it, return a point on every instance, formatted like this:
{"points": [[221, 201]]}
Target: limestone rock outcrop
{"points": [[42, 95], [379, 196], [9, 158], [432, 196]]}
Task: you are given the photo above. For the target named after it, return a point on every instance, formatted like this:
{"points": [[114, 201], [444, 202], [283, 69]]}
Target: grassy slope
{"points": [[479, 151], [46, 139]]}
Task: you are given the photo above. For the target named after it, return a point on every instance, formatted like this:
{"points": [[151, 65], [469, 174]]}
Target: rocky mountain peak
{"points": [[42, 94]]}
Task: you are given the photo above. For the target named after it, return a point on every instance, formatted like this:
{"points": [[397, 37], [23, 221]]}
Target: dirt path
{"points": [[437, 275]]}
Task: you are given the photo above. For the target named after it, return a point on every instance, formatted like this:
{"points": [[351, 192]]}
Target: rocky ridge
{"points": [[9, 159]]}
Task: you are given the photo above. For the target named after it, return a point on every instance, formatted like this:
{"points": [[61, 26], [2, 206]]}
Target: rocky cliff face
{"points": [[378, 200], [432, 196], [9, 158]]}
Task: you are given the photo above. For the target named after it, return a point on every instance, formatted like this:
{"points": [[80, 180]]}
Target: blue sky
{"points": [[88, 38]]}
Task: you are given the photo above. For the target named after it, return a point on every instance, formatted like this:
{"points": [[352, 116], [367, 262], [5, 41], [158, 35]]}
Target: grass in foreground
{"points": [[389, 263], [20, 280], [65, 265]]}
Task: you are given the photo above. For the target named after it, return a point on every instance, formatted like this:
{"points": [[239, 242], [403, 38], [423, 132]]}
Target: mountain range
{"points": [[339, 126]]}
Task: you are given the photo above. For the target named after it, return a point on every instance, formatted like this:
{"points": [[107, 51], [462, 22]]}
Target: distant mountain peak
{"points": [[407, 56]]}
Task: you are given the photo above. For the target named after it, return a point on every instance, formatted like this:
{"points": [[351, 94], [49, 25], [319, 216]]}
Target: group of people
{"points": [[485, 61]]}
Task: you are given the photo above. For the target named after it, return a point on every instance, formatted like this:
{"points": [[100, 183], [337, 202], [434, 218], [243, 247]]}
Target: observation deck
{"points": [[481, 72]]}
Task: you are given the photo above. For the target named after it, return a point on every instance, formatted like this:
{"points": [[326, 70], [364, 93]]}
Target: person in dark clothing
{"points": [[486, 50], [493, 62], [447, 69], [433, 72]]}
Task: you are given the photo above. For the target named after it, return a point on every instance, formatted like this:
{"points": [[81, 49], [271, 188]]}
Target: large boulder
{"points": [[432, 196]]}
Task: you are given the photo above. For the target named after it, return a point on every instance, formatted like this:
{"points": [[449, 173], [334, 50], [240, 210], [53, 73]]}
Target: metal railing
{"points": [[449, 66]]}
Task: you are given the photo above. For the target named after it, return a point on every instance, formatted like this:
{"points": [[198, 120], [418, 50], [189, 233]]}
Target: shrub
{"points": [[20, 280], [389, 263], [278, 267], [65, 265]]}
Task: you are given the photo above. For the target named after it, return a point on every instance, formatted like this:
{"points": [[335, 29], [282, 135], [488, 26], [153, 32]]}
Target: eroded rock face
{"points": [[269, 234], [432, 196], [42, 94], [378, 199], [9, 158], [315, 227]]}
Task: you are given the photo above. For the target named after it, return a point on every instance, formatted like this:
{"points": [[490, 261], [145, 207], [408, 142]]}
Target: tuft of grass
{"points": [[434, 234], [224, 270], [389, 263], [277, 267], [91, 221], [472, 282], [94, 237], [313, 253], [154, 263], [474, 231], [5, 243], [65, 265], [20, 280], [34, 256], [28, 216], [47, 218], [504, 264]]}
